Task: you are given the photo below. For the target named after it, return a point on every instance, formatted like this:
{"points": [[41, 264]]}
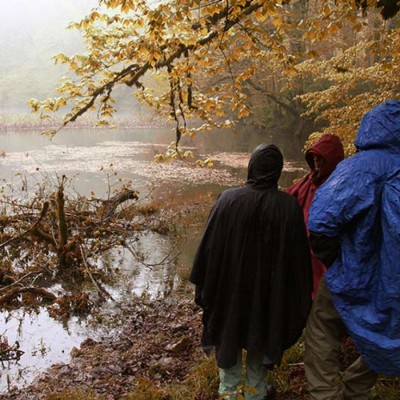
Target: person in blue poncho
{"points": [[354, 226]]}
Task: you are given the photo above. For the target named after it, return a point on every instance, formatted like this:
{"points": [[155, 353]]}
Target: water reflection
{"points": [[92, 158], [148, 267], [36, 333], [94, 164], [96, 160], [46, 341]]}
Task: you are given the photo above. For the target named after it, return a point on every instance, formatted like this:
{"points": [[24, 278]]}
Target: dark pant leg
{"points": [[358, 380], [322, 348]]}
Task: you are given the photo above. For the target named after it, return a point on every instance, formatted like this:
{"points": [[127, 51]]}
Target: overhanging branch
{"points": [[137, 71]]}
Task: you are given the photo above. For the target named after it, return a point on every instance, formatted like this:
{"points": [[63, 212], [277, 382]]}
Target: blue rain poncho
{"points": [[360, 206]]}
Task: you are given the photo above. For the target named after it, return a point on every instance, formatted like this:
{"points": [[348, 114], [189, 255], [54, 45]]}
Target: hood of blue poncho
{"points": [[380, 128]]}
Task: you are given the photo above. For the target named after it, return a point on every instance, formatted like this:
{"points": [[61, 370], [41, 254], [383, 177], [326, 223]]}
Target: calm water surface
{"points": [[95, 162]]}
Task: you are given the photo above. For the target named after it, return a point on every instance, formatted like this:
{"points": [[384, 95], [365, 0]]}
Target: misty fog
{"points": [[31, 32]]}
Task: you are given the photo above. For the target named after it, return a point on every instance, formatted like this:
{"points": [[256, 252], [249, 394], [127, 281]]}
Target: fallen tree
{"points": [[57, 238]]}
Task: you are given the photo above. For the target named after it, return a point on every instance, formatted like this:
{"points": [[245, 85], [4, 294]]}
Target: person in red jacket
{"points": [[322, 157]]}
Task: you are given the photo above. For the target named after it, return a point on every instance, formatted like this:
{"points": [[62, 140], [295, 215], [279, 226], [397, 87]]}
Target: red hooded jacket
{"points": [[330, 148]]}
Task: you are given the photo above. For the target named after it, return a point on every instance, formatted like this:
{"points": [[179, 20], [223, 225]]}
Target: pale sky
{"points": [[31, 33], [28, 11]]}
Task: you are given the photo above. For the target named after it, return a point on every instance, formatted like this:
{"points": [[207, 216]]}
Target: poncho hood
{"points": [[380, 128], [265, 166], [330, 148]]}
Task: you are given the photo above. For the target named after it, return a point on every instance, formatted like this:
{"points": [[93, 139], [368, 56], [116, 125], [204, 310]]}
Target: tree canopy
{"points": [[199, 62]]}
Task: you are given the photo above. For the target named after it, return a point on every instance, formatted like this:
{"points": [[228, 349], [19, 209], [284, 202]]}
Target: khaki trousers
{"points": [[322, 350]]}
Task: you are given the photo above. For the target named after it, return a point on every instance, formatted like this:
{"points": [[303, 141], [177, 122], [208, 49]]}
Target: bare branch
{"points": [[32, 227]]}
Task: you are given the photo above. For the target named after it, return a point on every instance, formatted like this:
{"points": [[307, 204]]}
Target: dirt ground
{"points": [[159, 342]]}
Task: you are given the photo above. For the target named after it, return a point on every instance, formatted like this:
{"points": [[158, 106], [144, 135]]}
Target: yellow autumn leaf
{"points": [[333, 28], [244, 112], [49, 132], [34, 104], [60, 58], [188, 154], [277, 22]]}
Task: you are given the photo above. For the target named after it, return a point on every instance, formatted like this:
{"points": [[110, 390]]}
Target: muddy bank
{"points": [[155, 355], [159, 341]]}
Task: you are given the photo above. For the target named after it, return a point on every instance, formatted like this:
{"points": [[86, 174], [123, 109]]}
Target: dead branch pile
{"points": [[55, 237]]}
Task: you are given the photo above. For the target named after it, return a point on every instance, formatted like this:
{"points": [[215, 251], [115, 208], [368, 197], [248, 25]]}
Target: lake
{"points": [[96, 162]]}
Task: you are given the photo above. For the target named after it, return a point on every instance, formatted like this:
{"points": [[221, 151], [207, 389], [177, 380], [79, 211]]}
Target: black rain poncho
{"points": [[252, 269]]}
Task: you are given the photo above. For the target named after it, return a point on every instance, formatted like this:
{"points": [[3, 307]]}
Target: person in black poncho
{"points": [[253, 276]]}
